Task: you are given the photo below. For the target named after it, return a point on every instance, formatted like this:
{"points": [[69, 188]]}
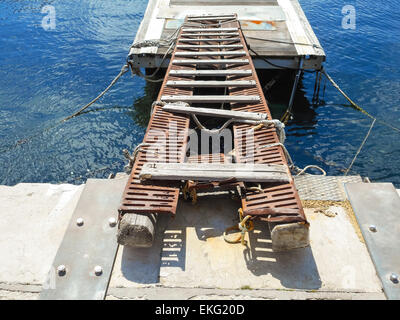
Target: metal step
{"points": [[210, 61], [210, 53], [86, 254], [225, 34], [210, 72], [210, 40], [212, 99], [208, 29], [212, 84], [376, 207], [208, 46]]}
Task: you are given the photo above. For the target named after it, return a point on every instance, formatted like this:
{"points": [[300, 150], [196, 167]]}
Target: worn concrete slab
{"points": [[194, 254], [190, 259], [33, 222]]}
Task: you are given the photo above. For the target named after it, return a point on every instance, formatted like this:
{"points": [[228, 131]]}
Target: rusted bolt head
{"points": [[394, 278], [372, 228], [112, 222], [98, 270], [61, 270], [79, 222]]}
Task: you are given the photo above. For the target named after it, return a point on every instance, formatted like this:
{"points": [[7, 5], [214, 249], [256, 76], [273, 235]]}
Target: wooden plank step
{"points": [[210, 53], [211, 99], [211, 34], [210, 40], [210, 61], [212, 84], [215, 172], [211, 18], [210, 72], [208, 46], [242, 115], [203, 16], [208, 29]]}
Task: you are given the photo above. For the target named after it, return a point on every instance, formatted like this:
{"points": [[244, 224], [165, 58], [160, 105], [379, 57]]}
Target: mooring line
{"points": [[361, 146], [124, 70], [355, 105]]}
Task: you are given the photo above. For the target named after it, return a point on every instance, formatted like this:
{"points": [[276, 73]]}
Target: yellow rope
{"points": [[259, 126], [186, 192], [245, 225]]}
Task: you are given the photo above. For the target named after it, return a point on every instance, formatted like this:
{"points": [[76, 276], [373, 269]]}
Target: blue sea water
{"points": [[47, 75]]}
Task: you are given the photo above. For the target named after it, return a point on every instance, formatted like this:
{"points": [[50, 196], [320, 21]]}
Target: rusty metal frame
{"points": [[280, 202]]}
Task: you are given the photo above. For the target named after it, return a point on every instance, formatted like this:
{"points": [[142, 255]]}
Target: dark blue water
{"points": [[47, 75]]}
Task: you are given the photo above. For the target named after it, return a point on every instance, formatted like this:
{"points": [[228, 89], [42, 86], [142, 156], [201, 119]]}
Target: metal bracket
{"points": [[83, 264], [376, 206]]}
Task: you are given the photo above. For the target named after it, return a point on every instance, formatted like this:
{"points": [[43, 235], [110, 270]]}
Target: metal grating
{"points": [[167, 135], [283, 196], [325, 188]]}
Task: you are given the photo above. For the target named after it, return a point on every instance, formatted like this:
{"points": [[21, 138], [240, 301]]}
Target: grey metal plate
{"points": [[84, 247], [329, 188], [378, 205]]}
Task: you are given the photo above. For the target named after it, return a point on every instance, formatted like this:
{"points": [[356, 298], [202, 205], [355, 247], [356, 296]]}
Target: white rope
{"points": [[132, 157], [280, 127], [309, 167], [289, 159]]}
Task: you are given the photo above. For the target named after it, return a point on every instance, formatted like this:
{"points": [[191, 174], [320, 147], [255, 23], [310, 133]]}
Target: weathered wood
{"points": [[225, 34], [210, 61], [212, 99], [210, 40], [212, 84], [208, 46], [228, 167], [247, 72], [208, 29], [215, 172], [211, 18], [289, 236], [230, 15], [210, 53], [137, 230], [170, 107]]}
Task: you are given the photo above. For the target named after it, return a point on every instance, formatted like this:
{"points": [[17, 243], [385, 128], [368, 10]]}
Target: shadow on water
{"points": [[277, 87], [142, 105]]}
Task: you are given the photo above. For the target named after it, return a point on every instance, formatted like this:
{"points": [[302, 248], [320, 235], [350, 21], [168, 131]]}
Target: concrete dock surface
{"points": [[189, 258]]}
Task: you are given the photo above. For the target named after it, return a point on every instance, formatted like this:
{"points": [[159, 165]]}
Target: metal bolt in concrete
{"points": [[98, 270], [112, 222], [372, 228], [79, 222], [394, 278], [61, 270]]}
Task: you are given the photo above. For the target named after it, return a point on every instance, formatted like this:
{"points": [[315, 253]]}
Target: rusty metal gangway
{"points": [[211, 67]]}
